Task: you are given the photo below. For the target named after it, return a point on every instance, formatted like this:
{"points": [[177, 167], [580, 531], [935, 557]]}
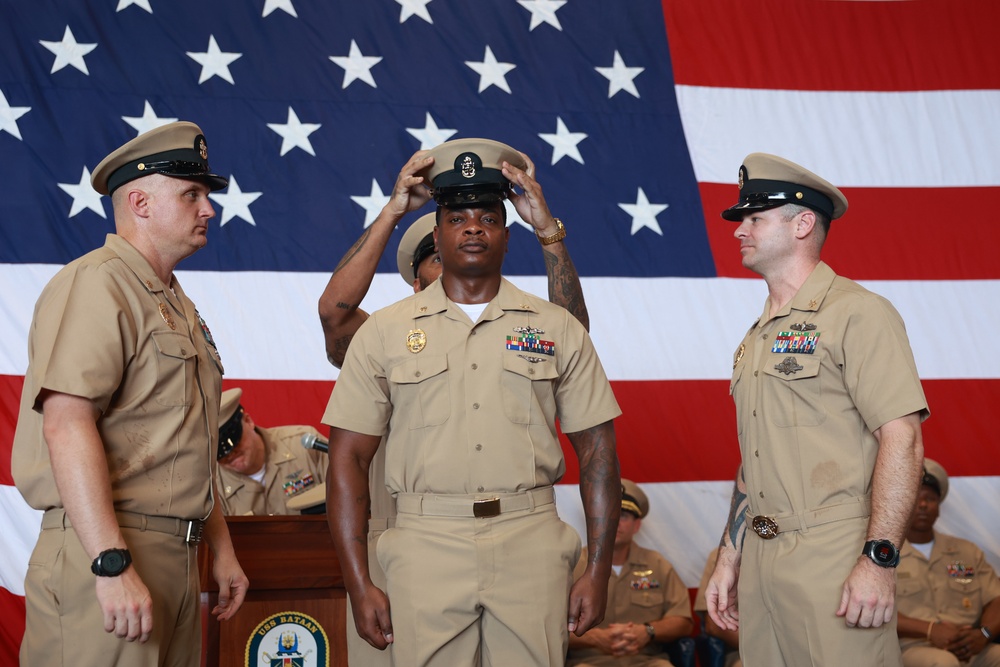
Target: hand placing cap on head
{"points": [[468, 172], [230, 421], [416, 244], [176, 149], [634, 500], [768, 181]]}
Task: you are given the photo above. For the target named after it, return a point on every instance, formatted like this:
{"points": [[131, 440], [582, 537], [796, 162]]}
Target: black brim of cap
{"points": [[737, 212], [213, 181]]}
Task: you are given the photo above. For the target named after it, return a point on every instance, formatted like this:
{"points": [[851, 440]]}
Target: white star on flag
{"points": [[490, 71], [294, 133], [620, 77], [563, 142], [431, 135], [643, 213], [214, 62], [235, 203], [543, 11], [122, 4], [84, 196], [148, 121], [285, 5], [68, 52], [373, 203], [357, 66], [9, 116], [414, 8]]}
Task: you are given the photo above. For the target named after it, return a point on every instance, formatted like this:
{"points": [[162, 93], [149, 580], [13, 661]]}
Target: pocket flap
{"points": [[418, 369]]}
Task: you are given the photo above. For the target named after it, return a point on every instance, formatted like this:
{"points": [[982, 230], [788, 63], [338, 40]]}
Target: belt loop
{"points": [[64, 519], [420, 505], [143, 522], [531, 500]]}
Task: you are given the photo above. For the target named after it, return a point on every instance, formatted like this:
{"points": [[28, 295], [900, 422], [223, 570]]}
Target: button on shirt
{"points": [[811, 384], [471, 408]]}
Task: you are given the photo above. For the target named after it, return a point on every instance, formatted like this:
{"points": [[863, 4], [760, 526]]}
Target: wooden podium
{"points": [[292, 567]]}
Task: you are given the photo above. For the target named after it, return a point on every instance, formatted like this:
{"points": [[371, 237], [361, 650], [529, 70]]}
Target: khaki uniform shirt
{"points": [[470, 409], [810, 385], [647, 589], [107, 329], [953, 585], [290, 469]]}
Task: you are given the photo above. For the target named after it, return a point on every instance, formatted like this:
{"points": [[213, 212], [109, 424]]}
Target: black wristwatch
{"points": [[651, 631], [111, 563], [882, 552]]}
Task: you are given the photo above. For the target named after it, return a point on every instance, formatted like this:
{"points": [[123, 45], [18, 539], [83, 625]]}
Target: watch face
{"points": [[884, 553], [113, 562]]}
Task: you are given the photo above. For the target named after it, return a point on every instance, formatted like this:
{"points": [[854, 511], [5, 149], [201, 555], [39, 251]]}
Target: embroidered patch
{"points": [[788, 342], [531, 343]]}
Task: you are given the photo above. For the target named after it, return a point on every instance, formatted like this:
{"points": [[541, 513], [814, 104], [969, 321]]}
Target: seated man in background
{"points": [[648, 604], [948, 596], [264, 471], [717, 647]]}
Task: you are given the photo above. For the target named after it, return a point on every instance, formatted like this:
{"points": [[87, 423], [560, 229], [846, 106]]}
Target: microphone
{"points": [[313, 441]]}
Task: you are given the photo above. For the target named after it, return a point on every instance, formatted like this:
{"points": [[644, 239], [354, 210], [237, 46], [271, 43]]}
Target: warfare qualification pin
{"points": [[416, 340]]}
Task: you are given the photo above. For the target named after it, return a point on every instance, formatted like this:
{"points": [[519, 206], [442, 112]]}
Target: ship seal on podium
{"points": [[288, 639]]}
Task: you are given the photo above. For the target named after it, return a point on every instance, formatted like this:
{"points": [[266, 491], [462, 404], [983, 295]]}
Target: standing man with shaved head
{"points": [[828, 408], [116, 435]]}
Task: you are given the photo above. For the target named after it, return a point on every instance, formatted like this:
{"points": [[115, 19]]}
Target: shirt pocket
{"points": [[966, 593], [793, 396], [650, 598], [176, 359], [528, 393], [421, 390]]}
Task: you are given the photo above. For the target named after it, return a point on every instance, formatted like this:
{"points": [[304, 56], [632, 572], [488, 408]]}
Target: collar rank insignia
{"points": [[788, 366], [416, 340], [793, 342], [805, 326], [531, 343], [165, 314], [528, 331]]}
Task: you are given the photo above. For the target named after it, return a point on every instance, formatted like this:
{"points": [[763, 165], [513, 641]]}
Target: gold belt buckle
{"points": [[482, 509], [765, 526]]}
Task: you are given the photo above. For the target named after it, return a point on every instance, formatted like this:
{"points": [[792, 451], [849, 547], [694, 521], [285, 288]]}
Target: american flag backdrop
{"points": [[637, 114]]}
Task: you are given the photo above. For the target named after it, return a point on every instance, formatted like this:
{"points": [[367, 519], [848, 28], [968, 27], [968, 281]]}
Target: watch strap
{"points": [[559, 234]]}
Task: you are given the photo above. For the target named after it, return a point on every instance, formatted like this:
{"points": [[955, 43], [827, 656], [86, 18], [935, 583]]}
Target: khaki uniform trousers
{"points": [[465, 589], [625, 661], [931, 656], [64, 625], [789, 591], [359, 652]]}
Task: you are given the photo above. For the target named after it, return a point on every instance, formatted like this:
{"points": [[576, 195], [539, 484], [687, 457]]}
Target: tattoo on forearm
{"points": [[564, 286], [599, 478], [736, 527], [346, 306], [349, 255]]}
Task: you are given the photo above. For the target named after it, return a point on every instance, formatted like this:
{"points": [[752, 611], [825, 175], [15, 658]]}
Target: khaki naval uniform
{"points": [[646, 590], [290, 470], [810, 385], [470, 412], [107, 329], [953, 585]]}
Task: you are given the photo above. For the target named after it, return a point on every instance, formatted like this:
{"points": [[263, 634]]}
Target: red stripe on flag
{"points": [[671, 431], [870, 46], [12, 628], [886, 234]]}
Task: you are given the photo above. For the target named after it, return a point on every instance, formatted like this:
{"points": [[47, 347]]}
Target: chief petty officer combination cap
{"points": [[416, 244], [768, 181], [633, 499], [231, 422], [176, 149], [935, 477], [468, 171]]}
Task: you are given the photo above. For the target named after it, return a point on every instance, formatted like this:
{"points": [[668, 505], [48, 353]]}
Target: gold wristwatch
{"points": [[558, 236]]}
